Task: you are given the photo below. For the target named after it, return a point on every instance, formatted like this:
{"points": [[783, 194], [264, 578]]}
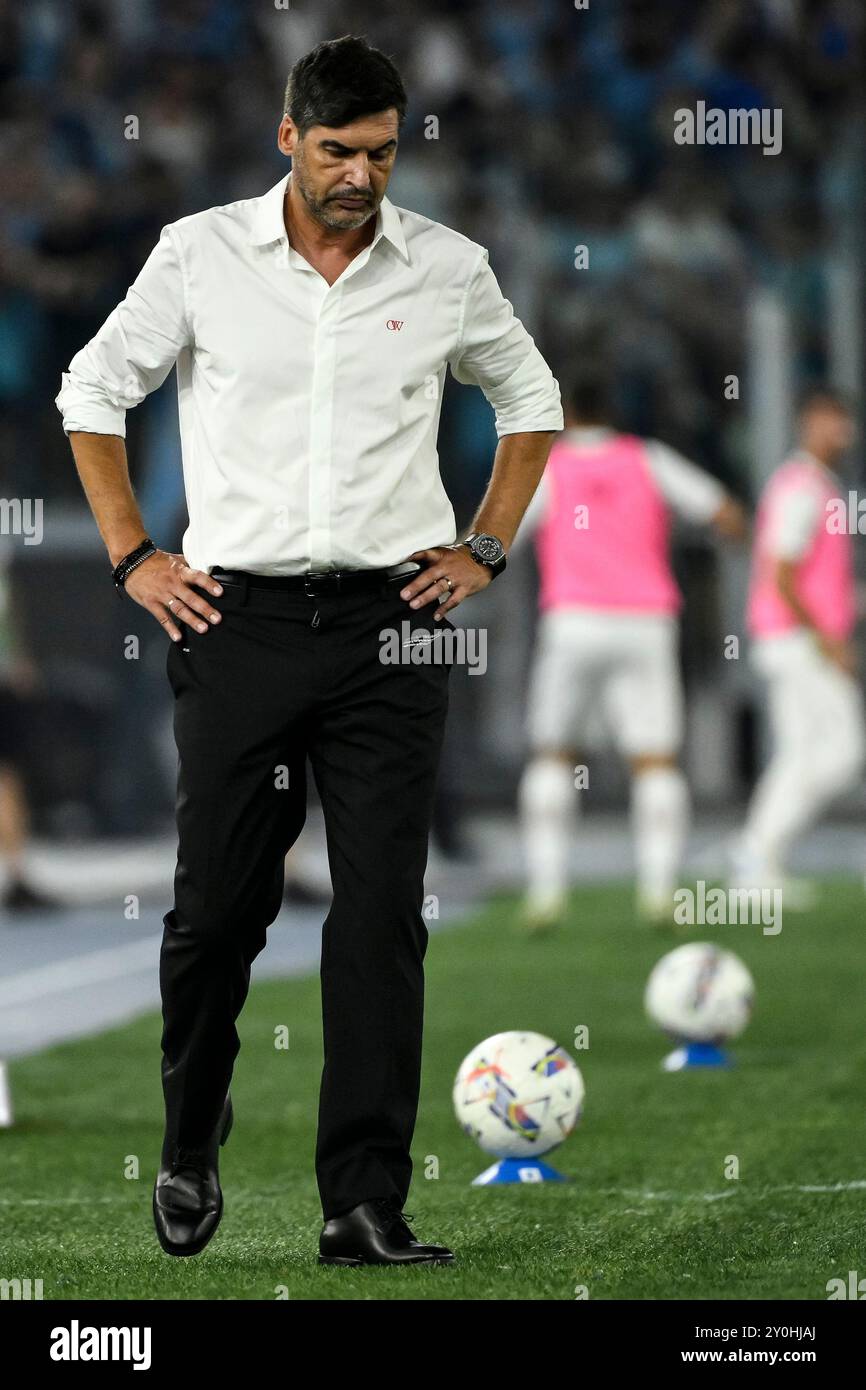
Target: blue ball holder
{"points": [[691, 1055], [525, 1170]]}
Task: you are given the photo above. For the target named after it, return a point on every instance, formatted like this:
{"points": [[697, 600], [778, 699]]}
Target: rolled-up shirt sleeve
{"points": [[496, 353], [134, 350]]}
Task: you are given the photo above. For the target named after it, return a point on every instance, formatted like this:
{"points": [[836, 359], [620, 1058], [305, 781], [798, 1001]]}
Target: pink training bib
{"points": [[604, 539], [825, 575]]}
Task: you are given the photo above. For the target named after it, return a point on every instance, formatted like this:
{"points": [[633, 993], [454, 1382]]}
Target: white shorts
{"points": [[816, 710], [624, 666]]}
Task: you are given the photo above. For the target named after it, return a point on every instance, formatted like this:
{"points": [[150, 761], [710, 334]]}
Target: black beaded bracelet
{"points": [[123, 569]]}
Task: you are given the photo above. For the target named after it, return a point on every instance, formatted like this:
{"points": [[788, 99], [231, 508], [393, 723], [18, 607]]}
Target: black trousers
{"points": [[281, 678]]}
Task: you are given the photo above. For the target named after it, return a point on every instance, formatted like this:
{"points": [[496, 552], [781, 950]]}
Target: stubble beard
{"points": [[325, 210]]}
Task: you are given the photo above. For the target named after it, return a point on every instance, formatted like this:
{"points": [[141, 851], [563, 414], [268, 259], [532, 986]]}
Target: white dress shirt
{"points": [[309, 413]]}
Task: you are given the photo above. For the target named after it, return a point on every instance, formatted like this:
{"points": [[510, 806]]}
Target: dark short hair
{"points": [[589, 394], [819, 393], [341, 80]]}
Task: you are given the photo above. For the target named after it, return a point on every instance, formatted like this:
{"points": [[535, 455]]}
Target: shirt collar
{"points": [[267, 223]]}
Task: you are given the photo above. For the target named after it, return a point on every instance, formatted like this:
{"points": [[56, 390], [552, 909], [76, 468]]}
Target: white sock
{"points": [[660, 819], [547, 800]]}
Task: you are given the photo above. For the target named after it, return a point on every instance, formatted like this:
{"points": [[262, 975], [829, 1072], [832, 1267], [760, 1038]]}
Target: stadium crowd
{"points": [[555, 129]]}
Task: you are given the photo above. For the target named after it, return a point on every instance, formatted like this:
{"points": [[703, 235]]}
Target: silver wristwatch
{"points": [[486, 550]]}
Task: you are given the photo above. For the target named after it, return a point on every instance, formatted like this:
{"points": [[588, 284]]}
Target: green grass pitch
{"points": [[648, 1213]]}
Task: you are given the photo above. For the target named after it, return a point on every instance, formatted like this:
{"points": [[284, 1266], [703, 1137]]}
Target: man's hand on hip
{"points": [[162, 584], [452, 575]]}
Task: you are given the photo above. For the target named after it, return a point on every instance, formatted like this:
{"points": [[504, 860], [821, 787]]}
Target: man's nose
{"points": [[358, 173]]}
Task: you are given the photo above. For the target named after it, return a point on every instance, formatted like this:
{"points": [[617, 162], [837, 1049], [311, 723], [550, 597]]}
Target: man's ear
{"points": [[287, 136]]}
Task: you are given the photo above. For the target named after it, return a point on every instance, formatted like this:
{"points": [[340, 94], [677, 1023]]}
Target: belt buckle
{"points": [[312, 580]]}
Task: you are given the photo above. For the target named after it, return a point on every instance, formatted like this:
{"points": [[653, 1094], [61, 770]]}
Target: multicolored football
{"points": [[518, 1094]]}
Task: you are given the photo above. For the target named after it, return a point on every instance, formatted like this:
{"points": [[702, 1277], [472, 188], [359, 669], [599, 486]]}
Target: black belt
{"points": [[318, 583]]}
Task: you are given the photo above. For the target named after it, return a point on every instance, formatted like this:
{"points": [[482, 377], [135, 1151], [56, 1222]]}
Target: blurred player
{"points": [[801, 615], [18, 683], [608, 639]]}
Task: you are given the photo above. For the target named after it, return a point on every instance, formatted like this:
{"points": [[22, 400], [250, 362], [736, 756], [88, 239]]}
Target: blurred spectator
{"points": [[19, 684]]}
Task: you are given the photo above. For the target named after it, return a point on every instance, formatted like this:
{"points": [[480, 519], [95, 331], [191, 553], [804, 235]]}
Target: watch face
{"points": [[488, 549]]}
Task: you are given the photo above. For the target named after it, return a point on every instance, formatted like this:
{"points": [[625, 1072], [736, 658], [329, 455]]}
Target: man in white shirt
{"points": [[311, 329]]}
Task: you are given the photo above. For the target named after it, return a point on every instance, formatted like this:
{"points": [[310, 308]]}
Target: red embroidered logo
{"points": [[395, 325]]}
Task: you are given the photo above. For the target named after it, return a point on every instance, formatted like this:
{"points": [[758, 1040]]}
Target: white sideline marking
{"points": [[856, 1185], [111, 964], [56, 1201]]}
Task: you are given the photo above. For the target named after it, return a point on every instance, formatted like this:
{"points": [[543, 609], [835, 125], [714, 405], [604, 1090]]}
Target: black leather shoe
{"points": [[375, 1233], [187, 1199]]}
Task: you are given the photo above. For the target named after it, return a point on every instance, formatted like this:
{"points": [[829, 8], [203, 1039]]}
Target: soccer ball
{"points": [[518, 1094], [700, 993]]}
